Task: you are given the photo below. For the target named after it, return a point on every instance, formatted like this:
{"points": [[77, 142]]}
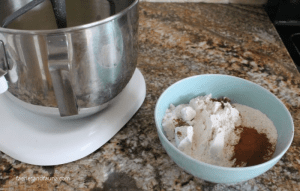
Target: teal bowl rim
{"points": [[160, 131]]}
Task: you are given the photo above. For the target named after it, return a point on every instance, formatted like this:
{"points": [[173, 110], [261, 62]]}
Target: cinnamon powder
{"points": [[179, 122], [253, 148]]}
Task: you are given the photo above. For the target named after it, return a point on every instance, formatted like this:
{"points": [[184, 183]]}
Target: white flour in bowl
{"points": [[205, 128]]}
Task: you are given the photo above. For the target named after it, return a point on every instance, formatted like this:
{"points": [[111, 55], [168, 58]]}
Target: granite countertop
{"points": [[177, 41]]}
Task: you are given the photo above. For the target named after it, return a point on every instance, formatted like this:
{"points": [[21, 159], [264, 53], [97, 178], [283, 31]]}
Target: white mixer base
{"points": [[40, 140]]}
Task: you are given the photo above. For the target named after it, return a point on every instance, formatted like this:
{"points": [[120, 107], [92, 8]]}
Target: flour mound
{"points": [[204, 128]]}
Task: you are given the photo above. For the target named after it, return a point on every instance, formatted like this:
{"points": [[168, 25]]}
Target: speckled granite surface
{"points": [[177, 41]]}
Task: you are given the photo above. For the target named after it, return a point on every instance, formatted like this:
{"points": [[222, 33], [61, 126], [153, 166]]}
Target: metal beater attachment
{"points": [[59, 8]]}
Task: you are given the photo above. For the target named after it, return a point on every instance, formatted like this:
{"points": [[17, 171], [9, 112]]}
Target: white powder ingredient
{"points": [[188, 113], [184, 138], [211, 126]]}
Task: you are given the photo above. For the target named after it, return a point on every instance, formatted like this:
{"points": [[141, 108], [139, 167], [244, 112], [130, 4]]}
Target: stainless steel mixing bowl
{"points": [[82, 66]]}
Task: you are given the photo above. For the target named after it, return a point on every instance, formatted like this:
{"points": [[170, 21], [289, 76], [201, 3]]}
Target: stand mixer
{"points": [[81, 66], [68, 66]]}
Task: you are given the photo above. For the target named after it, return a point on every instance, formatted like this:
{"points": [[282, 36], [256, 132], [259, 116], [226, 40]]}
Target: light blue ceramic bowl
{"points": [[239, 91]]}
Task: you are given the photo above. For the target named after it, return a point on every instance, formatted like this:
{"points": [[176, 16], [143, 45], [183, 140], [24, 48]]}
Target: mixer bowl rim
{"points": [[71, 29]]}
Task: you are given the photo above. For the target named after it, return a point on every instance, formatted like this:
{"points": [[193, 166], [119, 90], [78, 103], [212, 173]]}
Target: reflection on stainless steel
{"points": [[3, 60], [54, 112], [102, 55], [59, 66]]}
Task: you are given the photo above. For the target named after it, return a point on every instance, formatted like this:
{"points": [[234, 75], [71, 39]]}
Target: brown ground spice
{"points": [[180, 122], [253, 148], [222, 100]]}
